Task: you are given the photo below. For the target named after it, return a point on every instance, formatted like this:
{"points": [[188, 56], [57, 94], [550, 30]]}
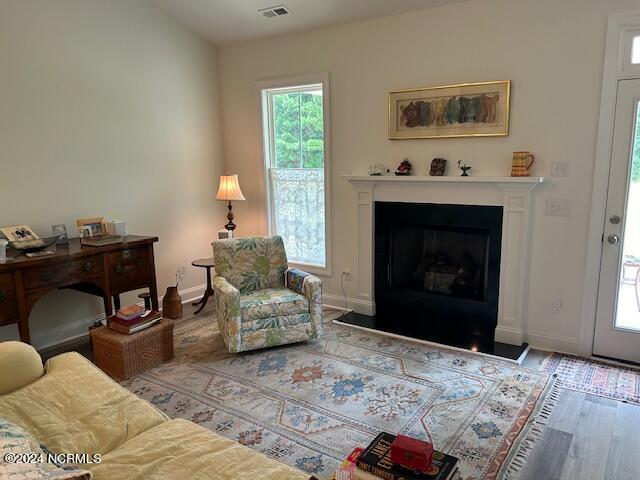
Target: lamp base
{"points": [[230, 225]]}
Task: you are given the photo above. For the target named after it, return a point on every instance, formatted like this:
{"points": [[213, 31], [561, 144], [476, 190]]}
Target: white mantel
{"points": [[511, 193]]}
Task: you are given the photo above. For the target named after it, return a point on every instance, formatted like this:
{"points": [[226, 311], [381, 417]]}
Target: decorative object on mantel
{"points": [[376, 169], [229, 190], [172, 302], [464, 167], [404, 169], [438, 166], [522, 162], [463, 110]]}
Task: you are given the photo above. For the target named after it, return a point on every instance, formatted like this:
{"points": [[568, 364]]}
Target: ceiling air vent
{"points": [[277, 11]]}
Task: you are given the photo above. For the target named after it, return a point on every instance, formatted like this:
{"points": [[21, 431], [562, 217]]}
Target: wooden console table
{"points": [[102, 271]]}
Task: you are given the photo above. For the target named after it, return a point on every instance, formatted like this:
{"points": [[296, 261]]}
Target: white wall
{"points": [[107, 108], [552, 51]]}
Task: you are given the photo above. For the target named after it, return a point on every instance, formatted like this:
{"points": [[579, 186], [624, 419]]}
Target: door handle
{"points": [[613, 239]]}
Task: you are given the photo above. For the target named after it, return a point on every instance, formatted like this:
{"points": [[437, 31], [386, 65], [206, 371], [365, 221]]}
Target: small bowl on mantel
{"points": [[36, 245]]}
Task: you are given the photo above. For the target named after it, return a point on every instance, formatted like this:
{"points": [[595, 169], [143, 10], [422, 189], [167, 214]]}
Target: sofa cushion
{"points": [[272, 302], [75, 408], [180, 449], [15, 443], [18, 353]]}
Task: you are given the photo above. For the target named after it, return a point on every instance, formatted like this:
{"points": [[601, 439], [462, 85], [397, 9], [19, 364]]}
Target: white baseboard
{"points": [[538, 340], [355, 304], [80, 328]]}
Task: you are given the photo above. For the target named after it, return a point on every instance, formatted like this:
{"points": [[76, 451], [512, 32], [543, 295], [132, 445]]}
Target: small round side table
{"points": [[208, 264]]}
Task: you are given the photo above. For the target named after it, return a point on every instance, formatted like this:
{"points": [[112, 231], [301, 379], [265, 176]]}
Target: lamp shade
{"points": [[229, 188]]}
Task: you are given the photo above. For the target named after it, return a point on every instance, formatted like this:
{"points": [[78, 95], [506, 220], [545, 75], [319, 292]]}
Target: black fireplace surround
{"points": [[437, 271]]}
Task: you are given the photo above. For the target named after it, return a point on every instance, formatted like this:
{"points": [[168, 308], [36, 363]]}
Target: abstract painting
{"points": [[464, 110]]}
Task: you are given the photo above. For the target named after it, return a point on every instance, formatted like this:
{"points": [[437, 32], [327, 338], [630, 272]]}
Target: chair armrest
{"points": [[20, 365], [311, 287], [228, 312]]}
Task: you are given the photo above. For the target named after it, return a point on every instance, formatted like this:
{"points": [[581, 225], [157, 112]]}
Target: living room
{"points": [[493, 317]]}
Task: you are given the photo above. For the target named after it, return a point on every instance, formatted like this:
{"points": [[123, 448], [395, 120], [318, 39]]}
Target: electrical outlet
{"points": [[556, 308], [560, 169], [346, 273], [558, 207]]}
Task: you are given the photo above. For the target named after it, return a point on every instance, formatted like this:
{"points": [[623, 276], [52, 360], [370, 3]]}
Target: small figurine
{"points": [[376, 169], [464, 167], [438, 166], [404, 168]]}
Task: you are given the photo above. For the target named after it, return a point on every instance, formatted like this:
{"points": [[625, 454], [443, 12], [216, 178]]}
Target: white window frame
{"points": [[266, 151]]}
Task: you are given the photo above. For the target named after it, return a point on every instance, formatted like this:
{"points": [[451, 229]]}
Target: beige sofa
{"points": [[71, 406]]}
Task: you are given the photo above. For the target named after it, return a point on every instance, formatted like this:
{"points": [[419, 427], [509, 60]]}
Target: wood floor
{"points": [[587, 437]]}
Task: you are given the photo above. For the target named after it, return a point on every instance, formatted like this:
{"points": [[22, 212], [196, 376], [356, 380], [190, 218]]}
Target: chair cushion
{"points": [[251, 263], [272, 302]]}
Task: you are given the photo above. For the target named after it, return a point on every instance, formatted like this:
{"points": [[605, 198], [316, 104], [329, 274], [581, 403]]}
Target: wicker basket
{"points": [[121, 356]]}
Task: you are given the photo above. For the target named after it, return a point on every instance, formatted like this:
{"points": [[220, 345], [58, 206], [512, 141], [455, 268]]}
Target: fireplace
{"points": [[437, 269], [497, 205]]}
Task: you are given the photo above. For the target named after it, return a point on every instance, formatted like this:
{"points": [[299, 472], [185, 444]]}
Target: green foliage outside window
{"points": [[298, 130]]}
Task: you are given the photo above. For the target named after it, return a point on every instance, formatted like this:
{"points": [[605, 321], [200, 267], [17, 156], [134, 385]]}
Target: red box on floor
{"points": [[412, 453]]}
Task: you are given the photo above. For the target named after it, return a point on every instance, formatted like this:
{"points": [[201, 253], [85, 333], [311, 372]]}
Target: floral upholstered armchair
{"points": [[261, 302]]}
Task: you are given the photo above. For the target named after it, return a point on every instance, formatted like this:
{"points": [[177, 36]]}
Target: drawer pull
{"points": [[47, 276], [118, 269], [87, 266], [3, 295]]}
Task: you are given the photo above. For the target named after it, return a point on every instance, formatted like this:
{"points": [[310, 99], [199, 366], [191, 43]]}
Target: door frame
{"points": [[616, 68]]}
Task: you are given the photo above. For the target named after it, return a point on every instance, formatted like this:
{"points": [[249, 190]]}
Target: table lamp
{"points": [[229, 190]]}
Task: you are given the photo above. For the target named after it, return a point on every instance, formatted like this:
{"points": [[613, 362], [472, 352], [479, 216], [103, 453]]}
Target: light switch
{"points": [[560, 168], [558, 207]]}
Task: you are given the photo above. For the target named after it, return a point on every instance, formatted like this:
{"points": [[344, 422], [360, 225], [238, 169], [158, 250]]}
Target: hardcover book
{"points": [[376, 460]]}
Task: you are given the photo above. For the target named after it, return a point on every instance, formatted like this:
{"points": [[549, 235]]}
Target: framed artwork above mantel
{"points": [[450, 111]]}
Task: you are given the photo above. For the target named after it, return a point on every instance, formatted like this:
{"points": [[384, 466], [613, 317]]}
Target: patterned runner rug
{"points": [[309, 405], [594, 377]]}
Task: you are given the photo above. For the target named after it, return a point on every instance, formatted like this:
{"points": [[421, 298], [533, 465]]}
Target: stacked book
{"points": [[133, 319], [101, 240], [374, 463]]}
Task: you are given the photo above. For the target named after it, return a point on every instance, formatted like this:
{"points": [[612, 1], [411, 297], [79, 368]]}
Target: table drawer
{"points": [[129, 269], [63, 273], [8, 300]]}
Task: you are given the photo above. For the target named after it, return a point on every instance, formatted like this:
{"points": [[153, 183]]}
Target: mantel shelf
{"points": [[444, 179]]}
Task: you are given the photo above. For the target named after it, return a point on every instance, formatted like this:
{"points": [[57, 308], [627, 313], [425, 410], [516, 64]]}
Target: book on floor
{"points": [[375, 461]]}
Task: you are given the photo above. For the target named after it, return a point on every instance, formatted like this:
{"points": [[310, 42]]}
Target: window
{"points": [[295, 119], [635, 50]]}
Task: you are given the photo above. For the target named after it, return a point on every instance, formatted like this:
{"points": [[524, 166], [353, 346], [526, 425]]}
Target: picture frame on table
{"points": [[18, 233], [450, 111], [91, 227]]}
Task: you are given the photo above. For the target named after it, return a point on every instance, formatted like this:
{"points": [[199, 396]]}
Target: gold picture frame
{"points": [[450, 111], [91, 227]]}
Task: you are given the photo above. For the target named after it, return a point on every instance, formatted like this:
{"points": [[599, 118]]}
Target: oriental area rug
{"points": [[310, 404], [595, 378]]}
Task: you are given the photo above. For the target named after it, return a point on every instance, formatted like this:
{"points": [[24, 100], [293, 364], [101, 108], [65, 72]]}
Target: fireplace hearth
{"points": [[437, 272]]}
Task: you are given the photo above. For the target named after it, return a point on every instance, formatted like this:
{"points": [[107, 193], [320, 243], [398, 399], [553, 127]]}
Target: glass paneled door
{"points": [[617, 333]]}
